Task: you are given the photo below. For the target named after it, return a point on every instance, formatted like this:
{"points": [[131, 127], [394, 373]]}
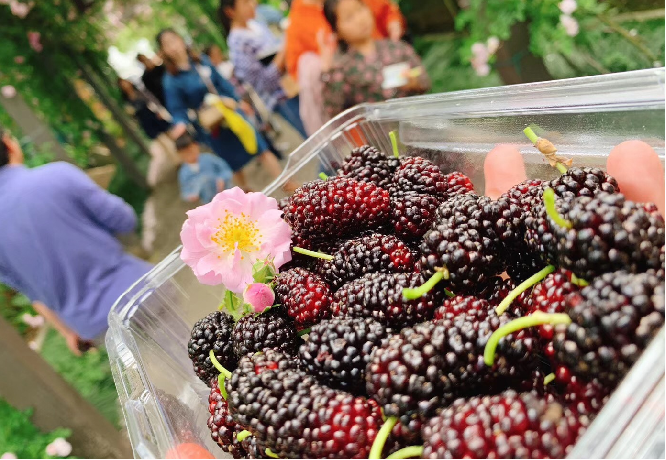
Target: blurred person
{"points": [[185, 89], [149, 118], [364, 69], [306, 23], [201, 175], [389, 21], [269, 15], [217, 57], [58, 244], [250, 44], [152, 77]]}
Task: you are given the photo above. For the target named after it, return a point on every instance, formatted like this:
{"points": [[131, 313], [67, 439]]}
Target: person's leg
{"points": [[289, 110], [270, 162], [240, 180]]}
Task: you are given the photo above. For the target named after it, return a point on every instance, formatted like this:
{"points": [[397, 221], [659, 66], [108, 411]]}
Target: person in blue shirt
{"points": [[185, 89], [202, 175], [58, 244]]}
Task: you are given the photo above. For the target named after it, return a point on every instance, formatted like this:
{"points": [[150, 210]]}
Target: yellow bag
{"points": [[243, 130]]}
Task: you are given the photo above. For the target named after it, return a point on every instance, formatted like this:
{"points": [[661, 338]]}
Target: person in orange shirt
{"points": [[389, 21], [306, 23]]}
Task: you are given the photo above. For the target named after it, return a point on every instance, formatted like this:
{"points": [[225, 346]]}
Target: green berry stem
{"points": [[548, 150], [522, 287], [537, 318], [551, 210], [417, 293], [270, 453], [407, 452], [303, 332], [549, 378], [382, 436], [449, 294], [531, 135], [220, 385], [218, 366], [561, 168], [323, 176], [578, 281], [307, 252], [394, 143], [240, 437]]}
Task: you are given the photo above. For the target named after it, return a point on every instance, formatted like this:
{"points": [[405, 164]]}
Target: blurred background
{"points": [[60, 61]]}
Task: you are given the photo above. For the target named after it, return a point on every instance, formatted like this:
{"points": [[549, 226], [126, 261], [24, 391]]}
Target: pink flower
{"points": [[223, 239], [59, 448], [19, 9], [567, 6], [493, 44], [19, 59], [8, 91], [8, 456], [260, 296], [32, 321], [482, 70], [570, 25], [33, 39], [480, 50]]}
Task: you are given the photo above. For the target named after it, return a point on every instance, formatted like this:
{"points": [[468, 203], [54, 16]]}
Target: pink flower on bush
{"points": [[19, 59], [8, 456], [59, 448], [223, 239], [19, 9], [260, 296], [34, 40], [570, 25], [8, 91], [567, 6]]}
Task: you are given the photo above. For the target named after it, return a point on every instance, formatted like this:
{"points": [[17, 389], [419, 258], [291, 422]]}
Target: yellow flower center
{"points": [[232, 230]]}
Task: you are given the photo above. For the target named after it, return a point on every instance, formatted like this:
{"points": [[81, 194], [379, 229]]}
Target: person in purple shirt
{"points": [[58, 245]]}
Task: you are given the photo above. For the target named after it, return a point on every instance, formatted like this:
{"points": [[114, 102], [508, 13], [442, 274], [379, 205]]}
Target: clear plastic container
{"points": [[165, 404]]}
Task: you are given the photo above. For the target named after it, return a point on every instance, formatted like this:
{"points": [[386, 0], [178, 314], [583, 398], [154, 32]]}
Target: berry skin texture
{"points": [[379, 296], [412, 214], [369, 254], [337, 207], [509, 425], [338, 350], [613, 321], [461, 305], [586, 398], [270, 329], [608, 233], [425, 367], [223, 429], [421, 176], [584, 182], [368, 164], [289, 412], [527, 194], [463, 241], [212, 333], [305, 295]]}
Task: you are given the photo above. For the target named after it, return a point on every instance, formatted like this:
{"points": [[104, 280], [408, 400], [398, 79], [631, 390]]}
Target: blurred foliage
{"points": [[19, 436], [89, 374]]}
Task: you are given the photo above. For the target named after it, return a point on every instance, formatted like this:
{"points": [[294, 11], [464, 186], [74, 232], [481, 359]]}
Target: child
{"points": [[202, 175], [365, 69]]}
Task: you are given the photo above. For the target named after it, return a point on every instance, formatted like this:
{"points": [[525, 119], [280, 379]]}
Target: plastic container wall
{"points": [[164, 403]]}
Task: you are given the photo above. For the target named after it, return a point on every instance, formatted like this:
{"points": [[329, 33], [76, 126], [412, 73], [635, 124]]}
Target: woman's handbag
{"points": [[210, 116]]}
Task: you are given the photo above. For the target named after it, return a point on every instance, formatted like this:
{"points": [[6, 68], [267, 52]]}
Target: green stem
{"points": [[449, 294], [307, 252], [578, 281], [394, 143], [218, 366], [270, 453], [531, 135], [522, 287], [417, 293], [382, 436], [551, 210], [302, 332], [549, 378], [535, 319], [220, 385], [240, 437], [323, 176], [561, 168], [407, 452]]}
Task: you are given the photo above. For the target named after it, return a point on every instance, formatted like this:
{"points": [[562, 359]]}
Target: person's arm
{"points": [[222, 169], [333, 92], [108, 210], [420, 83], [223, 87], [72, 339]]}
